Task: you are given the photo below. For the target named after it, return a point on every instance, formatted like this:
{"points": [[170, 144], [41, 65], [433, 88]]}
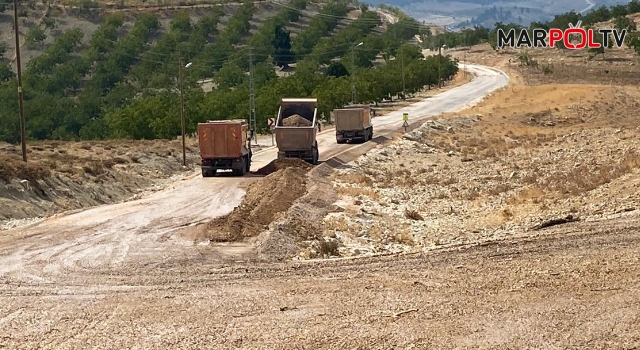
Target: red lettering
{"points": [[592, 44], [583, 38], [554, 35]]}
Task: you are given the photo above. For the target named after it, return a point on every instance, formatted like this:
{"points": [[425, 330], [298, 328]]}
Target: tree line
{"points": [[124, 83]]}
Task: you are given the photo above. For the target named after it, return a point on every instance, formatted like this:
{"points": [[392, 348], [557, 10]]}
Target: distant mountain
{"points": [[468, 13]]}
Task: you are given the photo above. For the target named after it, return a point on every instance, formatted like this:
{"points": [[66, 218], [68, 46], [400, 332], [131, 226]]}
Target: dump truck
{"points": [[296, 129], [353, 123], [224, 145]]}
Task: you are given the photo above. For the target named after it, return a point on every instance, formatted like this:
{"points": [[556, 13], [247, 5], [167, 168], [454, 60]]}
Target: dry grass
{"points": [[354, 191], [355, 178], [404, 237], [326, 248], [15, 168], [526, 153], [575, 181], [339, 224]]}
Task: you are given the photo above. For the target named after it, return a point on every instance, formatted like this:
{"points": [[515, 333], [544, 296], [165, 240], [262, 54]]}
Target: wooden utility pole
{"points": [[353, 74], [439, 56], [23, 138], [402, 66], [184, 152]]}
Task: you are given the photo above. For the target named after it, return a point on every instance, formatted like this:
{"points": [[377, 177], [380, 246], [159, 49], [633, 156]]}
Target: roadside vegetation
{"points": [[124, 83]]}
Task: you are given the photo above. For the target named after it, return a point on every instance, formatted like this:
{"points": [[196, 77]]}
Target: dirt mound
{"points": [[302, 227], [264, 200], [296, 120], [279, 164]]}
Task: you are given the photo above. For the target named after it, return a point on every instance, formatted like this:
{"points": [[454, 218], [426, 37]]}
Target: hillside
{"points": [[123, 57], [467, 13], [110, 76], [64, 16]]}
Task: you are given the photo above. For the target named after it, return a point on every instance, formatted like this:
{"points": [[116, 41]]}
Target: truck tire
{"points": [[341, 141], [243, 168], [316, 156], [208, 173], [247, 164]]}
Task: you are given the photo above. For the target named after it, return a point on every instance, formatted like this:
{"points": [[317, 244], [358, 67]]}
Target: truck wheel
{"points": [[243, 168], [316, 155], [208, 173], [247, 163]]}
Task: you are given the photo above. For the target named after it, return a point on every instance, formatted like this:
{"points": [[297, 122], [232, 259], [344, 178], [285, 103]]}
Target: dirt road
{"points": [[114, 235], [119, 275], [486, 80], [143, 230]]}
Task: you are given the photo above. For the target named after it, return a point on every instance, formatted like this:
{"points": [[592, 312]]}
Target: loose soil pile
{"points": [[296, 120], [264, 200], [302, 225], [280, 164]]}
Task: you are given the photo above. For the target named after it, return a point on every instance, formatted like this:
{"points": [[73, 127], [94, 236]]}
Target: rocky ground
{"points": [[61, 176], [576, 287], [469, 178]]}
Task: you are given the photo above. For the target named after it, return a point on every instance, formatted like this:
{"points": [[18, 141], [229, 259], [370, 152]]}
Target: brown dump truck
{"points": [[296, 129], [353, 123], [224, 145]]}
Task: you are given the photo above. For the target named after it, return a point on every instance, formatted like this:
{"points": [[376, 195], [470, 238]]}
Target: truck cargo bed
{"points": [[224, 146], [353, 123], [296, 129], [221, 139]]}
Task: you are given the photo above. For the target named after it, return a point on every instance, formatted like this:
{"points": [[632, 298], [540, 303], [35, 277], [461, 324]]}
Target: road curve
{"points": [[143, 231], [485, 81]]}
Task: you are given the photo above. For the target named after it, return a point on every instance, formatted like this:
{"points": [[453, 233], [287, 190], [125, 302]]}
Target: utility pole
{"points": [[23, 138], [395, 37], [184, 152], [252, 100], [402, 64], [353, 73], [464, 60], [439, 56]]}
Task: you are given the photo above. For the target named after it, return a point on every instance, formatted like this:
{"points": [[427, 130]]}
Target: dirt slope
{"points": [[496, 174], [62, 176]]}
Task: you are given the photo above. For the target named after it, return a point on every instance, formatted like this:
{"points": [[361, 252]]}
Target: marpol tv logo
{"points": [[573, 38]]}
